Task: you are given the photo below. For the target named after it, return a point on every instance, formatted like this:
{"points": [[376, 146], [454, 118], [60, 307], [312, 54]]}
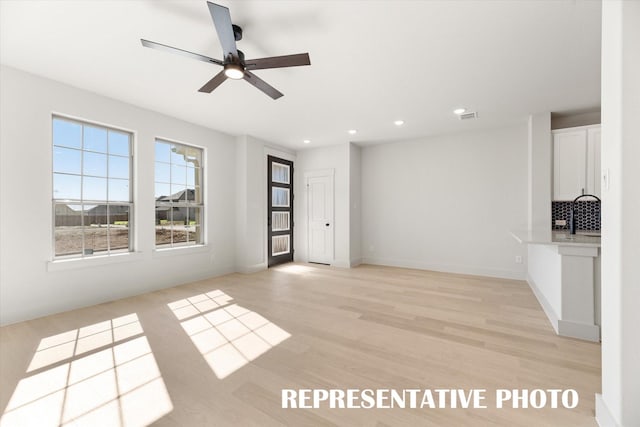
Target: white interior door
{"points": [[320, 216]]}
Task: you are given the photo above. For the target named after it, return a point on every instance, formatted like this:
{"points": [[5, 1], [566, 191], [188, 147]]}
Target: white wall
{"points": [[540, 171], [27, 288], [251, 201], [355, 200], [251, 204], [620, 289], [334, 157], [447, 203]]}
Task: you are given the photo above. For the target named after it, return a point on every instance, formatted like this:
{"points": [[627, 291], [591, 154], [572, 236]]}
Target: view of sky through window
{"points": [[91, 163]]}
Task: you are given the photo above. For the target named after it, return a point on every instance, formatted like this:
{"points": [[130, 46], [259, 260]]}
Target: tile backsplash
{"points": [[587, 215]]}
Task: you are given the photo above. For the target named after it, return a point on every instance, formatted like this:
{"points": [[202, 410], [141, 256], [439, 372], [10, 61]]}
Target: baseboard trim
{"points": [[546, 307], [454, 269], [341, 263], [356, 262], [604, 418], [582, 331]]}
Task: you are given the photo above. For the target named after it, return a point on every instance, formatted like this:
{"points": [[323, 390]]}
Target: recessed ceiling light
{"points": [[459, 111], [306, 141], [353, 132], [398, 122]]}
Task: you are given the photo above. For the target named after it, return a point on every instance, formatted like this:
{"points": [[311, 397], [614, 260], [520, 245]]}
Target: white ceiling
{"points": [[372, 61]]}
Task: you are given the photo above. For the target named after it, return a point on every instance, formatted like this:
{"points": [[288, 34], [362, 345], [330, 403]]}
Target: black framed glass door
{"points": [[280, 210]]}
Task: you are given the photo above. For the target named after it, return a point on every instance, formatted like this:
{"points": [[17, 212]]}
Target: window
{"points": [[92, 198], [178, 194]]}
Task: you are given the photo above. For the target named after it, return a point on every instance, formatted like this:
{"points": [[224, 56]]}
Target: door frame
{"points": [[290, 256], [330, 173]]}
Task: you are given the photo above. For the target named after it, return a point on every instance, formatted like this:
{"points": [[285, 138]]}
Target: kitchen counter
{"points": [[558, 237], [563, 271]]}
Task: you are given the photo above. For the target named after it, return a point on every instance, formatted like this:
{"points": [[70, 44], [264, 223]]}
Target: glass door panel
{"points": [[280, 210]]}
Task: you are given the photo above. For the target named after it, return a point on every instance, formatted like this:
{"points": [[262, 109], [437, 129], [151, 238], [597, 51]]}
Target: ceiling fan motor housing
{"points": [[237, 32]]}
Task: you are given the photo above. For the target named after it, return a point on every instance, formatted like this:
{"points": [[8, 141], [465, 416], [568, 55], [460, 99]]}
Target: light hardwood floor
{"points": [[223, 356]]}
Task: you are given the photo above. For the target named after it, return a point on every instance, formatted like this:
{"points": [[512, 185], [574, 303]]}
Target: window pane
{"points": [[178, 180], [280, 245], [85, 172], [178, 174], [68, 229], [163, 172], [66, 160], [178, 155], [95, 139], [279, 221], [180, 221], [163, 152], [67, 134], [118, 167], [118, 227], [194, 195], [279, 197], [119, 143], [193, 176], [95, 164], [95, 229], [163, 225], [178, 192], [162, 191], [194, 156], [94, 188], [119, 190], [194, 225], [66, 186], [279, 173]]}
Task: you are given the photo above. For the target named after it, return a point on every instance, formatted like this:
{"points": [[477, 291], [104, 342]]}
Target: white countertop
{"points": [[558, 237]]}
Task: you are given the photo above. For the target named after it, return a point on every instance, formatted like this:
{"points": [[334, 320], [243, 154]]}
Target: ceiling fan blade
{"points": [[262, 85], [185, 53], [222, 21], [216, 81], [278, 61]]}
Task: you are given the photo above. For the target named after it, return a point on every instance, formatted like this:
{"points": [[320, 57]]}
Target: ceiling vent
{"points": [[469, 115]]}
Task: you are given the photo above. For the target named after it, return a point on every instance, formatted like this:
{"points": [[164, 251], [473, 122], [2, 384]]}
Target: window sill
{"points": [[77, 263], [180, 250]]}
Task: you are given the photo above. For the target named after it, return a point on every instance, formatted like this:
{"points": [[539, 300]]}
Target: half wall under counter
{"points": [[563, 272]]}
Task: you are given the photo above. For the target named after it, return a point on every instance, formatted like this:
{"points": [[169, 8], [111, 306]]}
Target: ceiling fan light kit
{"points": [[234, 65], [234, 71]]}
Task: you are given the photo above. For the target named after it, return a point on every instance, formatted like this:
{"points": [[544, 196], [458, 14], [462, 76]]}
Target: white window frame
{"points": [[130, 203], [186, 204]]}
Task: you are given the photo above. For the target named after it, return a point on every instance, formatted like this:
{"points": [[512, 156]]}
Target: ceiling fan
{"points": [[235, 65]]}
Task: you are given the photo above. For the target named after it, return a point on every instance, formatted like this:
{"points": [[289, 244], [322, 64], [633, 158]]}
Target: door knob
{"points": [[327, 224]]}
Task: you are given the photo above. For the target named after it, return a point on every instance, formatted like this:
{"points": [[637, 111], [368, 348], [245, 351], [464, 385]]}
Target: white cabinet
{"points": [[593, 160], [576, 162]]}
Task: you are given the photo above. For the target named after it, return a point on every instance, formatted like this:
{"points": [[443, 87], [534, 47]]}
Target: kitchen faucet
{"points": [[572, 215]]}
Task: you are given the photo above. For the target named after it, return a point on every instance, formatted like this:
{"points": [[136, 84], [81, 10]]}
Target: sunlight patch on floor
{"points": [[229, 337], [199, 304], [62, 346], [295, 269], [115, 385]]}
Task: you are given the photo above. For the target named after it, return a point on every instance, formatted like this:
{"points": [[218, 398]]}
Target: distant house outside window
{"points": [[92, 189], [178, 194]]}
